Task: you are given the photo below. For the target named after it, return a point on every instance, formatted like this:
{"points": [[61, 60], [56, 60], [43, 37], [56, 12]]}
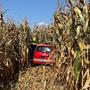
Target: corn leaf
{"points": [[77, 63]]}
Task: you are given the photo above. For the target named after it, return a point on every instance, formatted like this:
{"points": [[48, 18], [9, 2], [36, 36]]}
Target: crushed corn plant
{"points": [[69, 33]]}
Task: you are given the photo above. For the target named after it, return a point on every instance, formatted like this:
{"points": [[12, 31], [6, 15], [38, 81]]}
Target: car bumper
{"points": [[42, 61]]}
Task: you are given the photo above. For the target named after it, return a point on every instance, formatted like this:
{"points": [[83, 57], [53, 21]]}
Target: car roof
{"points": [[42, 44]]}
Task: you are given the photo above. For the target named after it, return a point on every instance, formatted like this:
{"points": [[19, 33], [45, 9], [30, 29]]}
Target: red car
{"points": [[42, 54]]}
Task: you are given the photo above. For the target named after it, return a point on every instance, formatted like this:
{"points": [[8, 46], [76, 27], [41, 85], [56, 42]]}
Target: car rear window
{"points": [[46, 49]]}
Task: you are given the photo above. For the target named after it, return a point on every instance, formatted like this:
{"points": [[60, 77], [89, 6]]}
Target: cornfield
{"points": [[69, 33]]}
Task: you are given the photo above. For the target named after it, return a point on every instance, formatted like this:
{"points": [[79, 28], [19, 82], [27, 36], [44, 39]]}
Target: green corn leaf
{"points": [[77, 63]]}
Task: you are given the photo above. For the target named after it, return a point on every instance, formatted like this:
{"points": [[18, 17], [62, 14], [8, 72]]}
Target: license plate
{"points": [[43, 60]]}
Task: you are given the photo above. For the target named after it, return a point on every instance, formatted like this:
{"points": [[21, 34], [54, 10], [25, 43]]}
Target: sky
{"points": [[35, 11]]}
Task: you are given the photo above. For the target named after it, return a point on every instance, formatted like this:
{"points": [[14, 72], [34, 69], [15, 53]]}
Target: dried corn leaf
{"points": [[79, 13], [87, 84]]}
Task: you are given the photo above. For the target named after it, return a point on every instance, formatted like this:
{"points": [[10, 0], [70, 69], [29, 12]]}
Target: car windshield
{"points": [[46, 49]]}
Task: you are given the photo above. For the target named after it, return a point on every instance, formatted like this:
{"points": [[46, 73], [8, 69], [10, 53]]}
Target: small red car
{"points": [[42, 54]]}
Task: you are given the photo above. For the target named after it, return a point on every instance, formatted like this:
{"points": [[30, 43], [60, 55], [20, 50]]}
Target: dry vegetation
{"points": [[69, 32]]}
